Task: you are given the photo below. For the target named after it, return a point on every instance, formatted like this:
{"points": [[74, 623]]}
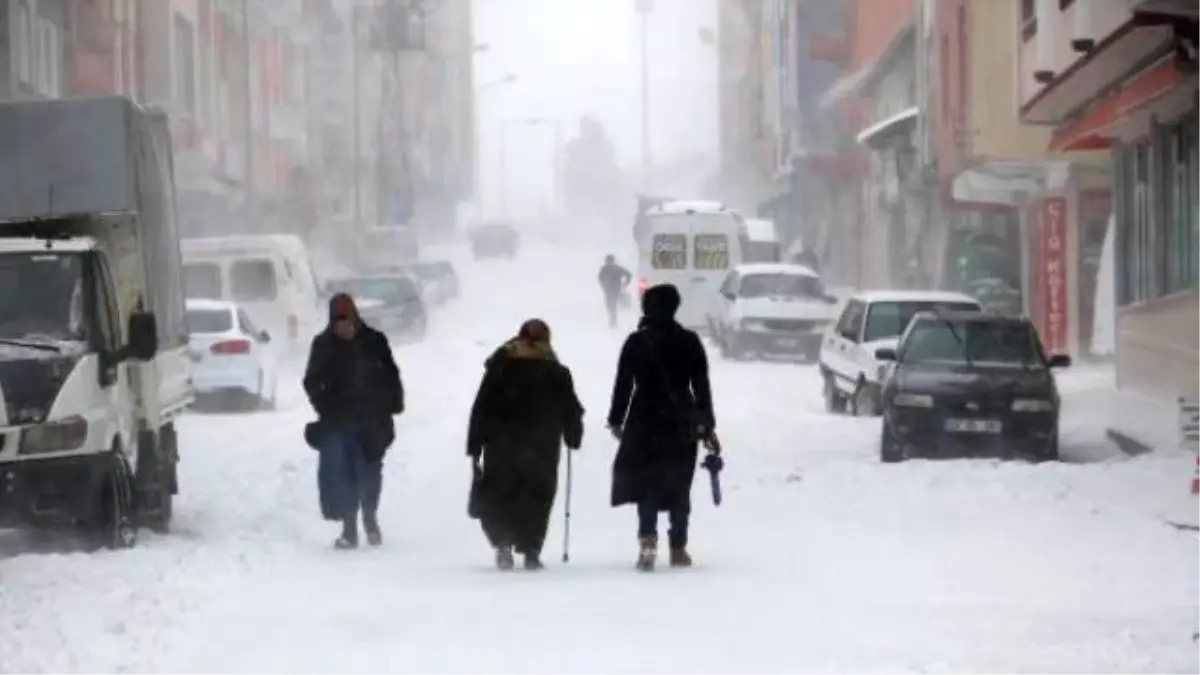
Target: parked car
{"points": [[966, 384], [438, 279], [233, 360], [770, 308], [495, 239], [850, 373], [391, 303]]}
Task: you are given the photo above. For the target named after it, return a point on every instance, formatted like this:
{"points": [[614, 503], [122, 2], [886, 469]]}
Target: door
{"points": [[842, 345], [711, 253]]}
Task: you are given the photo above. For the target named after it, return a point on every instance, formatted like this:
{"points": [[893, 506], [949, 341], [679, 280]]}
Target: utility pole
{"points": [[247, 44], [644, 8]]}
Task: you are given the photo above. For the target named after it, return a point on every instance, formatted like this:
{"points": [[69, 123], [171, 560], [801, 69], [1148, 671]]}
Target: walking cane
{"points": [[567, 512]]}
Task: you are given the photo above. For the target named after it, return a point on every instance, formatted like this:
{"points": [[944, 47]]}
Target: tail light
{"points": [[293, 326], [643, 284], [231, 347]]}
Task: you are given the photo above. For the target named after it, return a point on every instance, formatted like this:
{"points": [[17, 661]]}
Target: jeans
{"points": [[346, 480], [678, 514]]}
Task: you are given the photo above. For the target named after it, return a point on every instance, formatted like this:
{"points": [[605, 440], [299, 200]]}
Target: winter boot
{"points": [[647, 553], [371, 526], [680, 557], [533, 562], [349, 538], [504, 558]]}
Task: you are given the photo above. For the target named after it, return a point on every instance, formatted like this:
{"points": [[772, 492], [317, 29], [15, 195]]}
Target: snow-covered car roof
{"points": [[209, 305], [777, 268], [870, 297], [683, 206]]}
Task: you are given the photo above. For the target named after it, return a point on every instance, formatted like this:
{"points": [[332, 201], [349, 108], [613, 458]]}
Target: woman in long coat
{"points": [[661, 387], [526, 408]]}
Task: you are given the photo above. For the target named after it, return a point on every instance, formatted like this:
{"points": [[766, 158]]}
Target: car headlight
{"points": [[60, 436], [1032, 405], [913, 400]]}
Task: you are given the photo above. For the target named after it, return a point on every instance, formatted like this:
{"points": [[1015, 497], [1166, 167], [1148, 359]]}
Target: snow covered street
{"points": [[820, 559]]}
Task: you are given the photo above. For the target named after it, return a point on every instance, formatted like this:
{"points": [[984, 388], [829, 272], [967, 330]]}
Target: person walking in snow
{"points": [[613, 281], [354, 386], [525, 409], [661, 409]]}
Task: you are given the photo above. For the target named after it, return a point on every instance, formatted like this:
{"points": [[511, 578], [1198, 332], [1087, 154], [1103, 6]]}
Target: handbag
{"points": [[475, 500], [694, 424]]}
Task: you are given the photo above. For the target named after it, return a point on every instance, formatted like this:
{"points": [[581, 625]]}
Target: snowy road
{"points": [[821, 559]]}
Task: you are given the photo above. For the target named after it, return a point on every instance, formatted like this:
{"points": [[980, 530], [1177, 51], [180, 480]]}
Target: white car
{"points": [[770, 308], [852, 376], [231, 356]]}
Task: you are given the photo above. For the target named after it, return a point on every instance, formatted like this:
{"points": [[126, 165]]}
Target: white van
{"points": [[760, 241], [270, 276], [692, 245]]}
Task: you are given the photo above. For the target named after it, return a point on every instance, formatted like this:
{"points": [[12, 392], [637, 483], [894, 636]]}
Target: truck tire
{"points": [[114, 526]]}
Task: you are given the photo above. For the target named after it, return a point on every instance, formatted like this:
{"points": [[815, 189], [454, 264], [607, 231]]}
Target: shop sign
{"points": [[1052, 274]]}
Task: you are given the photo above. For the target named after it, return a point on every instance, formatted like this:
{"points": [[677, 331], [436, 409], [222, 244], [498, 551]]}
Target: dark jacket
{"points": [[613, 278], [355, 382], [661, 375]]}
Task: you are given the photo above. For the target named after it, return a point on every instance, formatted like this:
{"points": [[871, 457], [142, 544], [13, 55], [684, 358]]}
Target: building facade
{"points": [[1119, 77]]}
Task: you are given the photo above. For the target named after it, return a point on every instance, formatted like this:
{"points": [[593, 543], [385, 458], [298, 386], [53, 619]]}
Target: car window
{"points": [[203, 321], [850, 325], [889, 319], [253, 281], [712, 251], [993, 342], [202, 280], [794, 286], [669, 252]]}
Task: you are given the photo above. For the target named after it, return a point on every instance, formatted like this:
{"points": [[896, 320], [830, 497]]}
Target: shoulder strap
{"points": [[662, 372]]}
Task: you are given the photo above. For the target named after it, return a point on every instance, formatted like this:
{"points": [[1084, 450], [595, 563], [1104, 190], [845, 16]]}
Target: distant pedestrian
{"points": [[354, 386], [661, 410], [613, 279], [525, 410]]}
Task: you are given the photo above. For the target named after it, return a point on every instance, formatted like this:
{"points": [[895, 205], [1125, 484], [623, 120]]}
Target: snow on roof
{"points": [[209, 305], [912, 296], [777, 268], [682, 206]]}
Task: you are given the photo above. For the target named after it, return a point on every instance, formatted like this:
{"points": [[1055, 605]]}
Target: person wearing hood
{"points": [[354, 386], [613, 279], [525, 409], [661, 409]]}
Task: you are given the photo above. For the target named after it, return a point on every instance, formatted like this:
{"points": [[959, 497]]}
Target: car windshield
{"points": [[889, 319], [207, 321], [959, 341], [388, 291], [43, 297], [780, 286]]}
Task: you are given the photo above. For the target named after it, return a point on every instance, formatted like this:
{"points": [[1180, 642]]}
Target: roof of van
{"points": [[760, 229], [683, 206], [255, 241], [912, 296], [204, 304], [777, 268]]}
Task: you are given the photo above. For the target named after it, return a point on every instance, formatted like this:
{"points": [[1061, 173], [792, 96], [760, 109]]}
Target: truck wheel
{"points": [[114, 526]]}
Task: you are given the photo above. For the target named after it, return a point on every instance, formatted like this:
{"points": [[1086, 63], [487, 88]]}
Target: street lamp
{"points": [[644, 8]]}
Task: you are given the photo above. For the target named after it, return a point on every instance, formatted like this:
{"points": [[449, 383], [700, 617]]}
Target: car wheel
{"points": [[890, 450], [865, 402], [835, 402]]}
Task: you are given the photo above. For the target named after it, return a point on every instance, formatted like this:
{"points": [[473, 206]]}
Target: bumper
{"points": [[923, 433], [781, 343], [52, 491], [222, 381]]}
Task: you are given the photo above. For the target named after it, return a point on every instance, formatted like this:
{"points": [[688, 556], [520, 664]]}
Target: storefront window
{"points": [[985, 259]]}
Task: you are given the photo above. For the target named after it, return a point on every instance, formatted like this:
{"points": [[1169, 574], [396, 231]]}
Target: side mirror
{"points": [[1059, 361], [143, 336], [885, 354], [264, 336]]}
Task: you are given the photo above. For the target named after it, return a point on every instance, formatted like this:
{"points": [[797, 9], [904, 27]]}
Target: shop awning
{"points": [[901, 122], [1095, 129]]}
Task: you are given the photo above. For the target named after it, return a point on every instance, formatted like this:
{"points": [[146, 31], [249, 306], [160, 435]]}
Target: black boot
{"points": [[504, 558], [371, 527], [349, 538], [533, 561]]}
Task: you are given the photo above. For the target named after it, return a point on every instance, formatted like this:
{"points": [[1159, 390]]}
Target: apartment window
{"points": [[1028, 19], [24, 42], [49, 63], [185, 64]]}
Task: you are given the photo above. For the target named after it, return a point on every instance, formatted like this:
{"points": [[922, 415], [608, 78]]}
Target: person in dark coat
{"points": [[354, 386], [526, 408], [613, 279], [661, 385]]}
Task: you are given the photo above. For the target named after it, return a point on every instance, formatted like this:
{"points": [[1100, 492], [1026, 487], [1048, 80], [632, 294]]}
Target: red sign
{"points": [[1052, 274]]}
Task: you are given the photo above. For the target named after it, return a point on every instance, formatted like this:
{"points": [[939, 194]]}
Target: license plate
{"points": [[974, 426]]}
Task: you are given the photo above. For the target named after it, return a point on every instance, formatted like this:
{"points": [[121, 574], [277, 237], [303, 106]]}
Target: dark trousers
{"points": [[346, 479], [678, 509], [610, 304], [517, 506]]}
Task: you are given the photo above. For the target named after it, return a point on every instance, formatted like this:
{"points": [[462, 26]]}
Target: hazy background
{"points": [[582, 57]]}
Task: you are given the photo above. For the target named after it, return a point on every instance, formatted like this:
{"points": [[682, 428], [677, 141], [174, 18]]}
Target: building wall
{"points": [[956, 67], [875, 22]]}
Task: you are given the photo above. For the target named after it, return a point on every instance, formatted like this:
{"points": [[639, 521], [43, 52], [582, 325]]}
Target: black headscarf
{"points": [[659, 305]]}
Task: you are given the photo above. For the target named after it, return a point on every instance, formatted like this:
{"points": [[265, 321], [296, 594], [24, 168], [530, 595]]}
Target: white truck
{"points": [[94, 368]]}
